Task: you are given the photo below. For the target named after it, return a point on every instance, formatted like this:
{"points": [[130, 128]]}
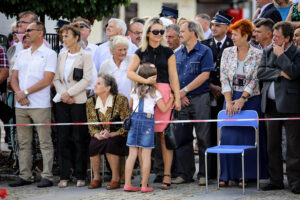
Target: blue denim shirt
{"points": [[190, 65]]}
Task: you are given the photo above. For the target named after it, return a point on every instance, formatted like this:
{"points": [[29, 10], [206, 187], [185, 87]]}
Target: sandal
{"points": [[80, 183], [113, 185], [241, 183], [164, 185], [62, 184], [223, 183]]}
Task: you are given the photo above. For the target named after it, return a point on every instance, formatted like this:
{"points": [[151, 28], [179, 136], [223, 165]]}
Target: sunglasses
{"points": [[82, 25], [14, 32], [32, 29], [156, 32]]}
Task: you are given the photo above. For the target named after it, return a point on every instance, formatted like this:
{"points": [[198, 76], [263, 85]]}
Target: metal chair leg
{"points": [[257, 149], [218, 168], [206, 172], [243, 172]]}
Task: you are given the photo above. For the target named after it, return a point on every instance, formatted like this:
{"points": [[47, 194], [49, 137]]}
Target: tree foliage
{"points": [[69, 9]]}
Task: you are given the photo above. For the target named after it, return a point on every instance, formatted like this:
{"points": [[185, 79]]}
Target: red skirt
{"points": [[164, 89]]}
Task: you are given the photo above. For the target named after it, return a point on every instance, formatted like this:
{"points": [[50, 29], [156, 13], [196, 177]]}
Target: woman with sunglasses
{"points": [[153, 50]]}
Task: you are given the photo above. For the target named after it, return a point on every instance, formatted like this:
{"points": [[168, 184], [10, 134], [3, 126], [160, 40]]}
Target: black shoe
{"points": [[158, 179], [271, 186], [45, 183], [19, 182], [296, 190]]}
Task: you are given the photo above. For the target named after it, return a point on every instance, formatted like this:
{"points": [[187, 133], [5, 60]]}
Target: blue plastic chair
{"points": [[235, 149]]}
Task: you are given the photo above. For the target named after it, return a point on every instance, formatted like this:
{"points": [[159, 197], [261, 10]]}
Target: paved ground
{"points": [[189, 191]]}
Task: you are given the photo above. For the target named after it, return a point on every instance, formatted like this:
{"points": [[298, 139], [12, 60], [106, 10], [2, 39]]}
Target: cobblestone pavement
{"points": [[190, 191]]}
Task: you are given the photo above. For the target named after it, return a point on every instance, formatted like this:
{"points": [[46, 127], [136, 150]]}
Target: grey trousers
{"points": [[199, 108], [25, 135]]}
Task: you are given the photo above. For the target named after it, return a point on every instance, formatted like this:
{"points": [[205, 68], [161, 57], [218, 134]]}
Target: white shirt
{"points": [[119, 73], [222, 41], [68, 65], [103, 53], [207, 34], [149, 102], [91, 48], [31, 69], [102, 108]]}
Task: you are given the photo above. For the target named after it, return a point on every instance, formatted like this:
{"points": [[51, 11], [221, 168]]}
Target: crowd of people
{"points": [[192, 68]]}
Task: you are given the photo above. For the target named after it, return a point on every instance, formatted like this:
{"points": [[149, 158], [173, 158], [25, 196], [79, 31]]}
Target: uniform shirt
{"points": [[193, 63], [31, 69], [119, 73], [103, 53]]}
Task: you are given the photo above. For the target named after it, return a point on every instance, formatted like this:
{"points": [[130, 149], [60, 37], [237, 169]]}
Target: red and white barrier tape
{"points": [[156, 122]]}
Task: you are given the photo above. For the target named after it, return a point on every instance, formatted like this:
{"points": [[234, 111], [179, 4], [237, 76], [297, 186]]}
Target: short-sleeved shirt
{"points": [[149, 102], [31, 69], [159, 57], [3, 58], [193, 63], [102, 53]]}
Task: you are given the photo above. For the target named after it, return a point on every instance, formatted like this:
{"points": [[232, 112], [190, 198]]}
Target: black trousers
{"points": [[72, 140], [199, 108], [274, 140]]}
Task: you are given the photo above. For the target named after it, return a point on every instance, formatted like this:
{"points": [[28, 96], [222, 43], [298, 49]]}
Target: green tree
{"points": [[69, 9]]}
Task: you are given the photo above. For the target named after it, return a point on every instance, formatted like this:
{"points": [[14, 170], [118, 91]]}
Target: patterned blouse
{"points": [[228, 69], [121, 109], [295, 14]]}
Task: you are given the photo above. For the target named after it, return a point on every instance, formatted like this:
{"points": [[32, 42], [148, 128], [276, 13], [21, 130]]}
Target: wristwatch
{"points": [[26, 92], [186, 89], [245, 98]]}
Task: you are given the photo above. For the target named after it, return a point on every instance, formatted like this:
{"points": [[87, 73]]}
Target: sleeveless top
{"points": [[295, 14]]}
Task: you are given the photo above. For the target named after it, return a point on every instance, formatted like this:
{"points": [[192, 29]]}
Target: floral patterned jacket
{"points": [[121, 109], [229, 66]]}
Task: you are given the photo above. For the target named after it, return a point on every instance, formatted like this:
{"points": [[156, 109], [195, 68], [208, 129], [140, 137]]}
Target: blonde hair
{"points": [[146, 30], [146, 70], [201, 33]]}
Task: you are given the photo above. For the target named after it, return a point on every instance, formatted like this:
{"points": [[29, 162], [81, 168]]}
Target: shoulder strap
{"points": [[97, 114], [112, 112]]}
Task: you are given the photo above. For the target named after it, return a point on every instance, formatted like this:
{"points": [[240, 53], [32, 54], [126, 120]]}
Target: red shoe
{"points": [[129, 188], [147, 189]]}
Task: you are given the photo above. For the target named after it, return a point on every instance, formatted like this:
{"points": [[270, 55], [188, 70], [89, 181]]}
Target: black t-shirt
{"points": [[159, 57]]}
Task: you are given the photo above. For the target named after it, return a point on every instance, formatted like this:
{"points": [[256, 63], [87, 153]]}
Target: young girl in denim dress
{"points": [[141, 134]]}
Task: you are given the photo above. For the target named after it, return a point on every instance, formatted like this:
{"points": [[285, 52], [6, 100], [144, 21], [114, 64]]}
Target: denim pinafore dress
{"points": [[141, 133]]}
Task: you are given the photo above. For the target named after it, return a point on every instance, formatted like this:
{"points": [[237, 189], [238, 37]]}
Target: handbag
{"points": [[6, 112], [178, 134], [127, 121], [77, 74]]}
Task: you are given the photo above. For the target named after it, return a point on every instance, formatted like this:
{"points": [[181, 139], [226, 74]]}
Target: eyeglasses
{"points": [[136, 32], [14, 32], [82, 25], [32, 29], [156, 32]]}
